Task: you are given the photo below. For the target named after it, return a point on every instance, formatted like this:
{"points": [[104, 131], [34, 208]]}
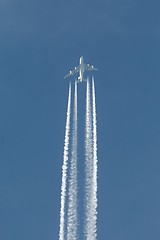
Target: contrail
{"points": [[72, 191], [95, 162], [69, 202], [89, 166], [64, 169]]}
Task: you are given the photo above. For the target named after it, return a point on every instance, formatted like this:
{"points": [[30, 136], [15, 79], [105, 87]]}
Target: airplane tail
{"points": [[78, 80]]}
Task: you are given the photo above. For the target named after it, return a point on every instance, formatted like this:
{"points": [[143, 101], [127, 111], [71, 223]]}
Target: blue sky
{"points": [[39, 42]]}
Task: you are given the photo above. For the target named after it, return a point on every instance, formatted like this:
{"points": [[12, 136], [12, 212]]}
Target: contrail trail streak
{"points": [[69, 188], [72, 191], [64, 169], [89, 166], [95, 162]]}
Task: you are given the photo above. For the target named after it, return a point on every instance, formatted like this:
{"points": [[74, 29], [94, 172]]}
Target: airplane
{"points": [[81, 68]]}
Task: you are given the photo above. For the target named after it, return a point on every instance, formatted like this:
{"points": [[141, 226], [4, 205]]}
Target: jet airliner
{"points": [[81, 68]]}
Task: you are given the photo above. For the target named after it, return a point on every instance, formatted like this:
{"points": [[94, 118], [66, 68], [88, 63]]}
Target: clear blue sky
{"points": [[39, 42]]}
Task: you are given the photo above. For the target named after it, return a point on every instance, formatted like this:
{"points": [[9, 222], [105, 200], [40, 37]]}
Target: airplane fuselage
{"points": [[81, 70]]}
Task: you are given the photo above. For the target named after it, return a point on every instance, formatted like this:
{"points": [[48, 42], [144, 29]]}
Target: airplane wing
{"points": [[89, 67], [72, 72]]}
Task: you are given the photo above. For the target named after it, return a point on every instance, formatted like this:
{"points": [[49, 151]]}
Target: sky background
{"points": [[39, 42]]}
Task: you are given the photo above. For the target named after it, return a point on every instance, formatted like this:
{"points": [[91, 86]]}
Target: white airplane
{"points": [[81, 68]]}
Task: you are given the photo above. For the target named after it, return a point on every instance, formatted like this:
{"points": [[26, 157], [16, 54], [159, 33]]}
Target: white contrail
{"points": [[89, 166], [95, 162], [64, 169], [72, 191]]}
